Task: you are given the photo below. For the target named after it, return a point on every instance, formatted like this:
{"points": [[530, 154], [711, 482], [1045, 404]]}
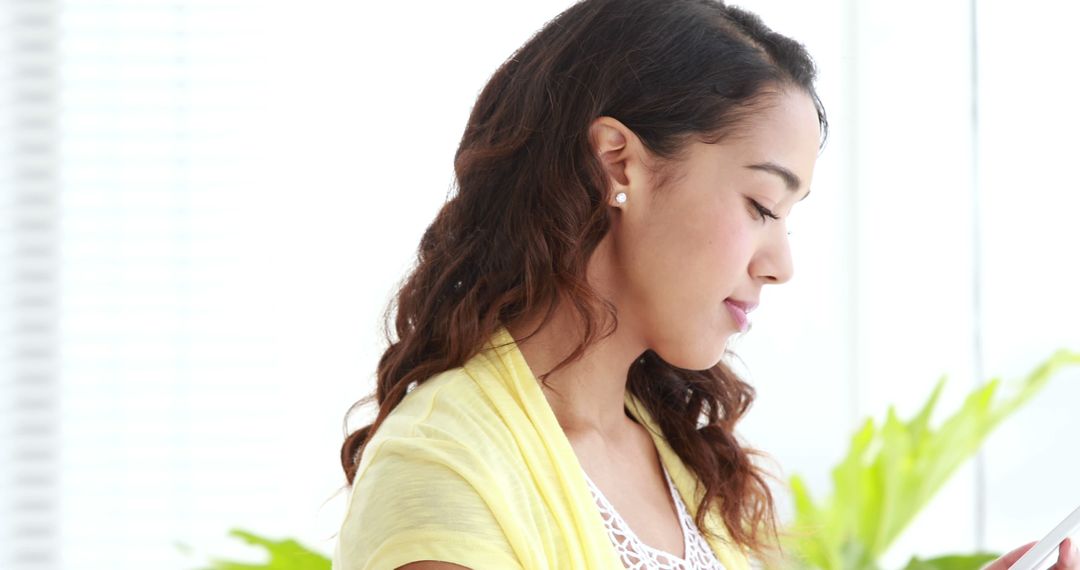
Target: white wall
{"points": [[1030, 196]]}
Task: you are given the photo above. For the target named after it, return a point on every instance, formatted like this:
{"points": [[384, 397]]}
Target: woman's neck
{"points": [[587, 394]]}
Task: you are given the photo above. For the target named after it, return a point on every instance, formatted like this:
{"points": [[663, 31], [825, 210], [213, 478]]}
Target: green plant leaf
{"points": [[952, 562], [286, 554], [890, 473]]}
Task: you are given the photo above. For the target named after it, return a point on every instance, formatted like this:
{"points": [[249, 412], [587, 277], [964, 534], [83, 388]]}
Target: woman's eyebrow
{"points": [[790, 179]]}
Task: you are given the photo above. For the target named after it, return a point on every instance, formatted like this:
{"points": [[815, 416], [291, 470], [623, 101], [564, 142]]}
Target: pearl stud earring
{"points": [[621, 197]]}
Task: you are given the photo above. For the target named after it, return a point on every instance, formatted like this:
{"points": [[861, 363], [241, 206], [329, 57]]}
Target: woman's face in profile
{"points": [[683, 250]]}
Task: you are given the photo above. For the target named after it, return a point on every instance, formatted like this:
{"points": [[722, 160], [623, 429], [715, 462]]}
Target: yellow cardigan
{"points": [[473, 468]]}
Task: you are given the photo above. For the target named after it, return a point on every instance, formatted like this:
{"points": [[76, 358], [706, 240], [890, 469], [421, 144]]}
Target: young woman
{"points": [[555, 396]]}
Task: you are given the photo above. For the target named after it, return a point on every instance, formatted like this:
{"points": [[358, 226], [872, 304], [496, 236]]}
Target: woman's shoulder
{"points": [[433, 437], [424, 488], [450, 418], [443, 407]]}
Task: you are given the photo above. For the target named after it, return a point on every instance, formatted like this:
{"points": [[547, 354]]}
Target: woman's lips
{"points": [[739, 315]]}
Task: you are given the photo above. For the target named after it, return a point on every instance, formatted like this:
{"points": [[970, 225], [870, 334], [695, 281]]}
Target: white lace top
{"points": [[636, 555]]}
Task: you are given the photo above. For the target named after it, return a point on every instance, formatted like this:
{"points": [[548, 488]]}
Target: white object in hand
{"points": [[1033, 559]]}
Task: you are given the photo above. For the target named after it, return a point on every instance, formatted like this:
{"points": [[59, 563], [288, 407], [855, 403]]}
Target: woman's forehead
{"points": [[781, 138]]}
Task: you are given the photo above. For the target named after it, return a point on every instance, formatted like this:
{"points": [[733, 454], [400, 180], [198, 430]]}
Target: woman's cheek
{"points": [[744, 235]]}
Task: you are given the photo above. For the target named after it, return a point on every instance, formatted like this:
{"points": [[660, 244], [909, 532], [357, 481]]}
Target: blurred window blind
{"points": [[28, 248], [135, 181]]}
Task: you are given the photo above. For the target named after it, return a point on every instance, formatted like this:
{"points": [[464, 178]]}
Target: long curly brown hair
{"points": [[528, 181]]}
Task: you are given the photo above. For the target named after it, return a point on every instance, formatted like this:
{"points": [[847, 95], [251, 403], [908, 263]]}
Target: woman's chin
{"points": [[696, 355]]}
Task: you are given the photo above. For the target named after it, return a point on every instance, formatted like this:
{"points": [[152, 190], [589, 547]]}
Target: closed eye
{"points": [[763, 211]]}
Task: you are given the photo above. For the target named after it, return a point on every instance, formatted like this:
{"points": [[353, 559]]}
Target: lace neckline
{"points": [[629, 541], [631, 537]]}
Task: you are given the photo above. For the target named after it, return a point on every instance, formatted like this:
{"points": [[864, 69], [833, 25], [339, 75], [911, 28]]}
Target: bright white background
{"points": [[239, 187]]}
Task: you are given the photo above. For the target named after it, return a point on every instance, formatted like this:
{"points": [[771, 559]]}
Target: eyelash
{"points": [[763, 212]]}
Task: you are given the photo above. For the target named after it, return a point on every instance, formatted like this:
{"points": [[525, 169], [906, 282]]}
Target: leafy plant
{"points": [[286, 554], [890, 473], [956, 562]]}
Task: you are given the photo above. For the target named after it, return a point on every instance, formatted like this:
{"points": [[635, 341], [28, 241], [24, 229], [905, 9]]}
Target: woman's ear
{"points": [[611, 141]]}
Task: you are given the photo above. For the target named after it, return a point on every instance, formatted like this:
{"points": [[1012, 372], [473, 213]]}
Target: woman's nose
{"points": [[773, 263]]}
